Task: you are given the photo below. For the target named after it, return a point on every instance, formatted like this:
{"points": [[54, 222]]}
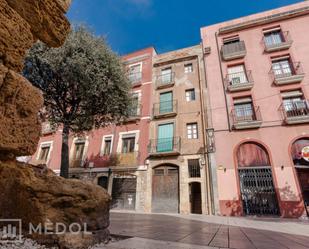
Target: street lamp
{"points": [[210, 133]]}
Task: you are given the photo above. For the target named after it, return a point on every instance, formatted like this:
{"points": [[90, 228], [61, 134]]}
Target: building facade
{"points": [[257, 71], [177, 174], [113, 157]]}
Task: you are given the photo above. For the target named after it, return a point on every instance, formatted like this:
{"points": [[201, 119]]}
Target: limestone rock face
{"points": [[19, 124], [36, 195], [46, 18], [15, 37], [22, 22]]}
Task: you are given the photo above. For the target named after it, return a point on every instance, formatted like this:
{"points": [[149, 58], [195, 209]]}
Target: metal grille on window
{"points": [[194, 168]]}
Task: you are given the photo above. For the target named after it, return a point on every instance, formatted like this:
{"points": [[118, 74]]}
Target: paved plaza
{"points": [[167, 231]]}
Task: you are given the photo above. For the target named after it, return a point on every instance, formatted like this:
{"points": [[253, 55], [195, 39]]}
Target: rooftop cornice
{"points": [[264, 20]]}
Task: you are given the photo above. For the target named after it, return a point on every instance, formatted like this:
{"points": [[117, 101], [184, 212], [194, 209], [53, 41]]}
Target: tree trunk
{"points": [[64, 171]]}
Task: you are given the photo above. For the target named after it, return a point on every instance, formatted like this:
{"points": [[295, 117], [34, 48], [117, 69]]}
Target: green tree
{"points": [[83, 83]]}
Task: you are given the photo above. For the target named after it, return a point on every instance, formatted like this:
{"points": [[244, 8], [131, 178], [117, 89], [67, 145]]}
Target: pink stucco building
{"points": [[257, 71], [113, 157]]}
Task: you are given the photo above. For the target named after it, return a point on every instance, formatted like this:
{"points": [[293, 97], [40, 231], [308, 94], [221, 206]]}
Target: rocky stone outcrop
{"points": [[22, 22], [37, 196]]}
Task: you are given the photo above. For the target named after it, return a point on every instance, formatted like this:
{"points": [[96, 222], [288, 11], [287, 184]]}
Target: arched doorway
{"points": [[103, 182], [300, 156], [256, 181], [195, 197], [165, 189]]}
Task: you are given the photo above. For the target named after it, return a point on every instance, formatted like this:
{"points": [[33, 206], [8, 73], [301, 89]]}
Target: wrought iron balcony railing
{"points": [[292, 74], [239, 81], [164, 146], [135, 78], [165, 109], [284, 42], [165, 80], [246, 117], [135, 111], [233, 50], [295, 112], [129, 159]]}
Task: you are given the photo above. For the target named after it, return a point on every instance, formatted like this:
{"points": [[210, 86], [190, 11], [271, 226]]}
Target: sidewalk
{"points": [[281, 225]]}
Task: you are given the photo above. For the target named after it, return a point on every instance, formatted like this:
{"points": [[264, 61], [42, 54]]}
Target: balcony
{"points": [[164, 147], [233, 50], [77, 163], [135, 78], [296, 112], [284, 42], [246, 118], [128, 159], [293, 74], [239, 81], [165, 109], [135, 113], [165, 80]]}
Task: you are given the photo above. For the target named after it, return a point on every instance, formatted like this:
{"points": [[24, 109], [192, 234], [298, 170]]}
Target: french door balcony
{"points": [[285, 72], [246, 116], [295, 112], [164, 146], [239, 81]]}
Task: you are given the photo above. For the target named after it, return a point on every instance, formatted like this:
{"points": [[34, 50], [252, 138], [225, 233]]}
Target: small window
{"points": [[237, 75], [159, 172], [190, 95], [273, 37], [128, 143], [44, 152], [166, 75], [194, 168], [282, 67], [189, 68], [192, 131], [107, 145], [135, 73], [244, 110], [79, 150]]}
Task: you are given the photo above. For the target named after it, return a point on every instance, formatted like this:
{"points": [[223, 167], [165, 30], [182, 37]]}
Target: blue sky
{"points": [[129, 25]]}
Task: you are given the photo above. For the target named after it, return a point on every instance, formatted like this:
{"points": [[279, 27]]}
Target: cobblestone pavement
{"points": [[162, 231]]}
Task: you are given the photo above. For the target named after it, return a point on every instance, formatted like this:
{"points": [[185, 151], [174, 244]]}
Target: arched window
{"points": [[252, 155]]}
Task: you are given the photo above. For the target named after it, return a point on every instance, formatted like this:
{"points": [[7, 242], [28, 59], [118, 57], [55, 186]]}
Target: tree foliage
{"points": [[83, 82]]}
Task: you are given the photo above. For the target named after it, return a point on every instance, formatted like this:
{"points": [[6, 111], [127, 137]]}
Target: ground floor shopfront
{"points": [[263, 172]]}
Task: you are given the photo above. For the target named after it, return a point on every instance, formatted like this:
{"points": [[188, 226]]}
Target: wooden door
{"points": [[165, 190]]}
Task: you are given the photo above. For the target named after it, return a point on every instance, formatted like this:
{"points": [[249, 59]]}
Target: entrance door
{"points": [[124, 193], [165, 190], [258, 192], [166, 102], [195, 197], [165, 137]]}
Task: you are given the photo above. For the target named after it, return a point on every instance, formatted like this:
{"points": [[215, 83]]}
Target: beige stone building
{"points": [[177, 176]]}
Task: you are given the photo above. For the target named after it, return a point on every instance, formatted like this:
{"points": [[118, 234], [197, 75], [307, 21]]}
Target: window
{"points": [[79, 150], [166, 75], [273, 37], [135, 105], [44, 152], [192, 131], [232, 40], [128, 143], [293, 103], [166, 102], [107, 146], [282, 68], [189, 68], [237, 75], [194, 168], [244, 110], [135, 73], [190, 95]]}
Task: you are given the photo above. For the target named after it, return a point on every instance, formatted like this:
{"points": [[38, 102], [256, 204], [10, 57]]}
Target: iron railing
{"points": [[285, 38], [164, 145], [295, 109], [233, 48], [128, 159], [295, 68], [165, 108], [244, 77], [246, 114], [135, 77], [165, 79], [135, 111]]}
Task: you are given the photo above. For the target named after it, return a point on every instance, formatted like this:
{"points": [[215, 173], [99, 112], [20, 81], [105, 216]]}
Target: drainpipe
{"points": [[223, 86], [208, 181]]}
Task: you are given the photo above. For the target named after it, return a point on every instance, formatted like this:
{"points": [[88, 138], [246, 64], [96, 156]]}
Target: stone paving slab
{"points": [[171, 229], [140, 243]]}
